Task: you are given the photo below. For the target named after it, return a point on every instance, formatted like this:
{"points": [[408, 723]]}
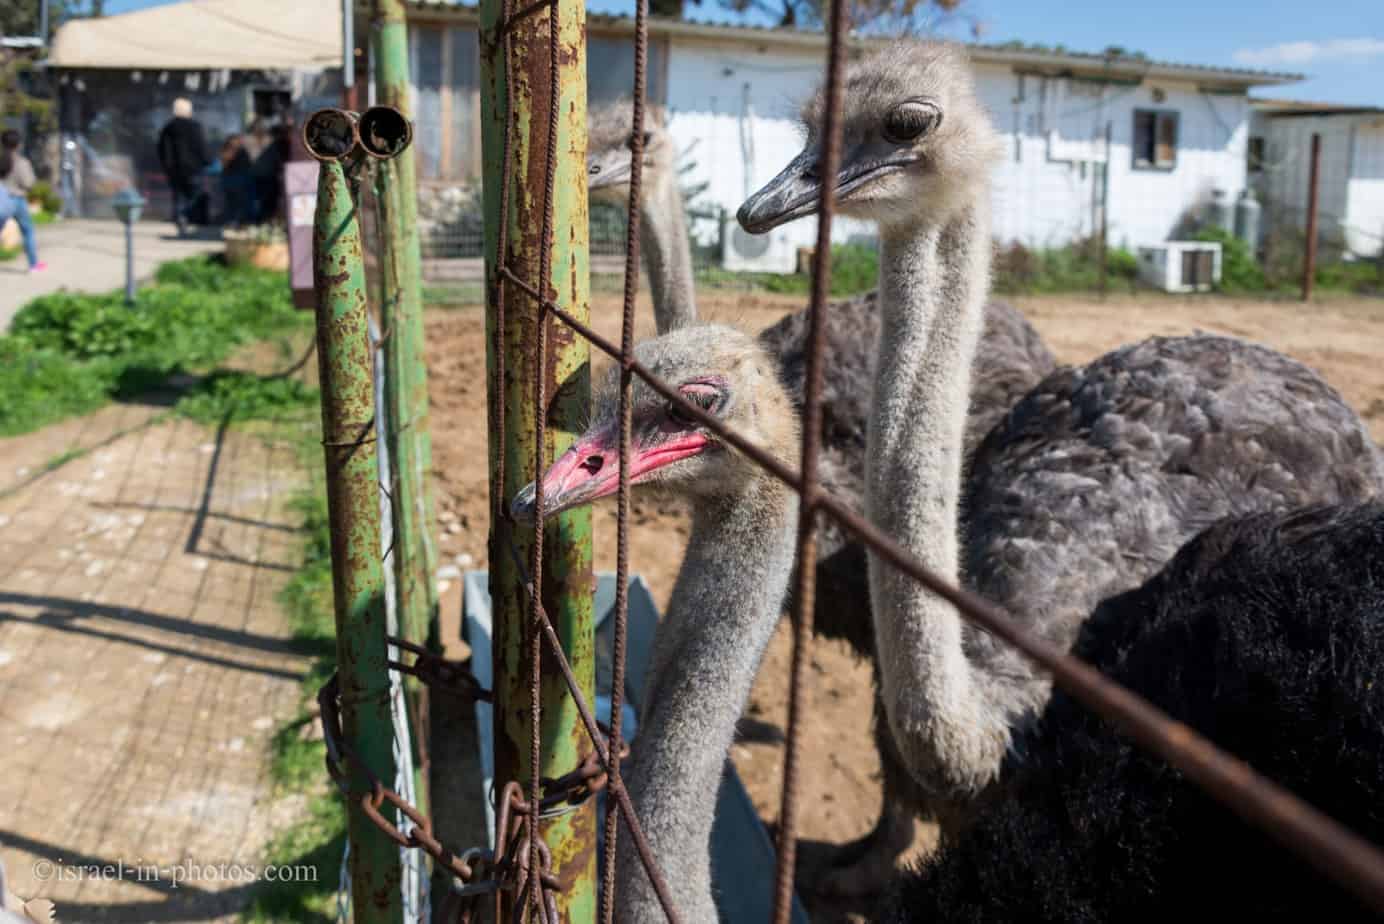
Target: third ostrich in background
{"points": [[1010, 360], [1090, 483]]}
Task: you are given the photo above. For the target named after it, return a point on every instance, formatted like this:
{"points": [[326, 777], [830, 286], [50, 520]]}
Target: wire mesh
{"points": [[1332, 849]]}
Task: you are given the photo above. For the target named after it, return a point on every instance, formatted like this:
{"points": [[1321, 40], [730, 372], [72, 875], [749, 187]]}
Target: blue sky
{"points": [[1339, 44]]}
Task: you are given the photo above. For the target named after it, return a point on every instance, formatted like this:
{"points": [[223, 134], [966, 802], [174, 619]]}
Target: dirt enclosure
{"points": [[1342, 338]]}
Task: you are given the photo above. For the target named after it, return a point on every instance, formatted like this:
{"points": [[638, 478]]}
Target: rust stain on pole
{"points": [[515, 121], [346, 368]]}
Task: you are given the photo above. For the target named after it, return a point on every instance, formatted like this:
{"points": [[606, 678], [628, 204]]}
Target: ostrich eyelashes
{"points": [[910, 120], [703, 394]]}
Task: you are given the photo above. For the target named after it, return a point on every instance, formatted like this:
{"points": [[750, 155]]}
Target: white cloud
{"points": [[1291, 54]]}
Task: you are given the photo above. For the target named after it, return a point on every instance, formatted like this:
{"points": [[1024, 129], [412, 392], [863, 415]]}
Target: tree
{"points": [[861, 16], [669, 8], [21, 17]]}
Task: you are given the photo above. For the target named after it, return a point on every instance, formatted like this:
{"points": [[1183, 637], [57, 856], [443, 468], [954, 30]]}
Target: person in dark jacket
{"points": [[183, 156], [237, 183]]}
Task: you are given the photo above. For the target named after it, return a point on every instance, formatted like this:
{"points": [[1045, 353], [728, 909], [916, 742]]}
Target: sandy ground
{"points": [[1343, 339]]}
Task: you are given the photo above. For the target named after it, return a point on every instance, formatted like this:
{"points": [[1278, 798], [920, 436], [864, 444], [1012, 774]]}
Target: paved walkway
{"points": [[88, 255], [144, 664]]}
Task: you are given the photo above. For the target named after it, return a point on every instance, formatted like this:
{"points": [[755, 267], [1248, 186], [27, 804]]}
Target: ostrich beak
{"points": [[608, 169], [590, 470], [797, 190]]}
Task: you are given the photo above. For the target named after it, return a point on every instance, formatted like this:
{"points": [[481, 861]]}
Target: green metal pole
{"points": [[567, 580], [401, 314], [353, 506], [406, 379]]}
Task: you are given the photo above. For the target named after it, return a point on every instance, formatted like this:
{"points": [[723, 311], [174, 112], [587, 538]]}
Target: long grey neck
{"points": [[724, 607], [933, 284], [667, 253]]}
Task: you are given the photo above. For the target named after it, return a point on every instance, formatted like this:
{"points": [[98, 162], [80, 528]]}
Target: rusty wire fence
{"points": [[520, 867], [1316, 838]]}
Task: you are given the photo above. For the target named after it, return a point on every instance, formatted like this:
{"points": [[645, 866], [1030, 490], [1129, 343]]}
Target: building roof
{"points": [[206, 35], [1058, 62], [1275, 108]]}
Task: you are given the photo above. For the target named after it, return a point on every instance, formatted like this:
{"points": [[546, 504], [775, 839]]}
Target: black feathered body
{"points": [[1266, 634]]}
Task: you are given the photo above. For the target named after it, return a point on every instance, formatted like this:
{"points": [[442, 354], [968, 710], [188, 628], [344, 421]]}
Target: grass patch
{"points": [[62, 459], [232, 396], [455, 295], [854, 269], [71, 353], [1020, 270]]}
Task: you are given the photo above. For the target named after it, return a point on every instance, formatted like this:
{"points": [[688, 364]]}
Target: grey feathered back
{"points": [[1103, 472]]}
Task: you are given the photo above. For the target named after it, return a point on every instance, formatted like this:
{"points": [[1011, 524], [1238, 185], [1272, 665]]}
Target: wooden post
{"points": [[1105, 216], [1309, 263], [514, 342]]}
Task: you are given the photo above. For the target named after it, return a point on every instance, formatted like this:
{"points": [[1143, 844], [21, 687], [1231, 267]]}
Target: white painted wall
{"points": [[1364, 217], [734, 107], [1283, 183]]}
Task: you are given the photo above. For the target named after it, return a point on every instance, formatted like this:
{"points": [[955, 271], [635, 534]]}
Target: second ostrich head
{"points": [[915, 142], [611, 128], [723, 371]]}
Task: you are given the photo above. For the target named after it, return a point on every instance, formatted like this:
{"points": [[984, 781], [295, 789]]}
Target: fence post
{"points": [[353, 506], [406, 379], [520, 139], [1309, 263], [1105, 216]]}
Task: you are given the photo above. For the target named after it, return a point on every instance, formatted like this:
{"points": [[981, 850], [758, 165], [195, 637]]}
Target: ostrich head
{"points": [[611, 129], [722, 370], [916, 143]]}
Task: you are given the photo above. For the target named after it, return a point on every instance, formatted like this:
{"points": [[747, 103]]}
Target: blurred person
{"points": [[269, 170], [183, 156], [237, 182], [16, 179]]}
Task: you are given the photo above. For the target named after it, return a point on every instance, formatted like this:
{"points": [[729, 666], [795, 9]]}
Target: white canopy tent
{"points": [[207, 35]]}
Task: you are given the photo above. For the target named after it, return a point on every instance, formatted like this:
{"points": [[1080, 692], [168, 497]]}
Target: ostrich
{"points": [[1083, 490], [663, 239], [1011, 359], [1265, 633], [728, 594]]}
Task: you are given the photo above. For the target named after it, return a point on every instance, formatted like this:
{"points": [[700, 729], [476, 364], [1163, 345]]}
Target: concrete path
{"points": [[88, 255], [144, 663]]}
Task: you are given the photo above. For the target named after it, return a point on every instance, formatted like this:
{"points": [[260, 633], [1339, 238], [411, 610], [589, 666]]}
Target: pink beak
{"points": [[591, 470]]}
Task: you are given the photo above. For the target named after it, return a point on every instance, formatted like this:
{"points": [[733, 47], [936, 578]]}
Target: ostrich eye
{"points": [[703, 396], [910, 120], [648, 136]]}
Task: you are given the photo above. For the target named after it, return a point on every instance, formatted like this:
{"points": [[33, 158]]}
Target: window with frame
{"points": [[1255, 154], [1155, 139]]}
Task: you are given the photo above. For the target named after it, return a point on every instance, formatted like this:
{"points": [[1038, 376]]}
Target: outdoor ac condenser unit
{"points": [[742, 252], [1181, 266]]}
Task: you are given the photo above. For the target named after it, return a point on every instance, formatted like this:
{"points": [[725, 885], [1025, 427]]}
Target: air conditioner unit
{"points": [[743, 252], [1181, 266]]}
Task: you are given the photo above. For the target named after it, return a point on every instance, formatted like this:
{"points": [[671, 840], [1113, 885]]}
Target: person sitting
{"points": [[237, 183]]}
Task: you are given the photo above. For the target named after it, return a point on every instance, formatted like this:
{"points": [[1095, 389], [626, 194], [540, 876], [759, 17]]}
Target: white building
{"points": [[1177, 132], [1351, 191]]}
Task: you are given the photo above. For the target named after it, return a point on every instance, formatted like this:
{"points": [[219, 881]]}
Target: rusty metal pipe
{"points": [[384, 132], [332, 135]]}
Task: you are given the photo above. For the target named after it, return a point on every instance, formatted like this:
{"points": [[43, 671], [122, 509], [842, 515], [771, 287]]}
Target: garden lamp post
{"points": [[128, 205]]}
